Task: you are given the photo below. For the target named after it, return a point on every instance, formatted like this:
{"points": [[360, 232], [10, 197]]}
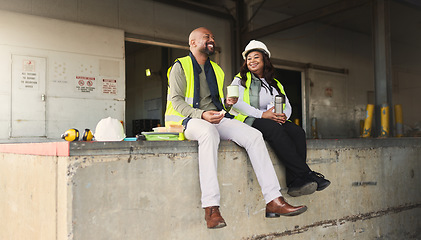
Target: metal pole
{"points": [[382, 59]]}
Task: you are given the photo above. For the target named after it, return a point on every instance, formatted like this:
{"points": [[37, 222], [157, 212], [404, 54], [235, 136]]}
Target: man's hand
{"points": [[277, 117], [212, 116]]}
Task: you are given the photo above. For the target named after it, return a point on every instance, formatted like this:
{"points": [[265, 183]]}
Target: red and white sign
{"points": [[28, 66], [109, 86], [85, 84]]}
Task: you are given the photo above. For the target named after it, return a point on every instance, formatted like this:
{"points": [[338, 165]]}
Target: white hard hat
{"points": [[255, 45], [109, 129]]}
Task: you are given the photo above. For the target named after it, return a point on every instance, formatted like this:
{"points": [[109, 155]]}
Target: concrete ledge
{"points": [[43, 149], [98, 148], [150, 190]]}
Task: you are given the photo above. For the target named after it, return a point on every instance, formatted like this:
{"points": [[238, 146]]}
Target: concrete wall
{"points": [[143, 17], [406, 59], [65, 56], [29, 197], [150, 190]]}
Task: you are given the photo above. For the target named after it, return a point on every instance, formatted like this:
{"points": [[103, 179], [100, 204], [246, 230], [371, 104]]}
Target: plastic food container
{"points": [[161, 136]]}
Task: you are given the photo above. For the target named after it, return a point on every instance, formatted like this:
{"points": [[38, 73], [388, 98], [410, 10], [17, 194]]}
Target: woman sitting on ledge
{"points": [[257, 90]]}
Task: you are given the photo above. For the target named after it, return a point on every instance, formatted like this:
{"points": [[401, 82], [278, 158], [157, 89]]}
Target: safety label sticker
{"points": [[85, 84], [109, 86], [29, 80]]}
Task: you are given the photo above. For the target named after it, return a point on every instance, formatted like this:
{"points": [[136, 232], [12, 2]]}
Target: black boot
{"points": [[301, 186], [321, 181]]}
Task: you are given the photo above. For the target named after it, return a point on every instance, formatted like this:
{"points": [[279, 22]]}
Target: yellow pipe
{"points": [[384, 111], [368, 121], [399, 120]]}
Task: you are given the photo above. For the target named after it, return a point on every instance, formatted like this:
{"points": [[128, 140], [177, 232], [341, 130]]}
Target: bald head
{"points": [[202, 41], [196, 33]]}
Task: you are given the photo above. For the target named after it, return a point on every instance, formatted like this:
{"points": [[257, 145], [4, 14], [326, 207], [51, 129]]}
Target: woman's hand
{"points": [[277, 117], [231, 101], [283, 118]]}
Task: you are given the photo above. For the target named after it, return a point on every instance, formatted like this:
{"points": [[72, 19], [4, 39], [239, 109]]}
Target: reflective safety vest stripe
{"points": [[246, 95], [172, 117]]}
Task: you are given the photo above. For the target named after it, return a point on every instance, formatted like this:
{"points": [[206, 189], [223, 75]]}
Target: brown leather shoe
{"points": [[278, 207], [213, 217]]}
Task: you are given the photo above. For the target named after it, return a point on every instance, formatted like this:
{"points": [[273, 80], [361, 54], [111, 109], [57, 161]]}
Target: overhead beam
{"points": [[137, 38], [411, 3], [300, 65], [196, 8], [334, 8]]}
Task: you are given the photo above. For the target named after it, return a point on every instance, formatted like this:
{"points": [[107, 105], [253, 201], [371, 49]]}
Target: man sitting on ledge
{"points": [[196, 100]]}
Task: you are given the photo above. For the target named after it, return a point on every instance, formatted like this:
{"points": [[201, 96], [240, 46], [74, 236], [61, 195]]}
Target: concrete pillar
{"points": [[382, 59]]}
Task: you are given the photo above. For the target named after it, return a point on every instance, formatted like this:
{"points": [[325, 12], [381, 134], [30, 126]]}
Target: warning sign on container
{"points": [[85, 84], [29, 80], [28, 66], [109, 86]]}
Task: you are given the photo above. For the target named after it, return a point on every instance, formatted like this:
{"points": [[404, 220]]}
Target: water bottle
{"points": [[279, 104]]}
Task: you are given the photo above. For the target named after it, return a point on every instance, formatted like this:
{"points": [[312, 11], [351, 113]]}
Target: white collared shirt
{"points": [[266, 101]]}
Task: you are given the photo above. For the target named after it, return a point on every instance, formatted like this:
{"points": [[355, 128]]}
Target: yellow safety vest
{"points": [[172, 117], [246, 95]]}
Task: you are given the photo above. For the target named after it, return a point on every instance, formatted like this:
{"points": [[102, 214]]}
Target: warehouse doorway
{"points": [[291, 80], [146, 84]]}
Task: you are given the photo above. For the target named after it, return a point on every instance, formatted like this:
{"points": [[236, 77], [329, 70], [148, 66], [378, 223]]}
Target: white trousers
{"points": [[208, 136]]}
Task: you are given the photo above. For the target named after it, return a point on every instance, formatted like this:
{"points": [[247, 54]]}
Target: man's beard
{"points": [[207, 51]]}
